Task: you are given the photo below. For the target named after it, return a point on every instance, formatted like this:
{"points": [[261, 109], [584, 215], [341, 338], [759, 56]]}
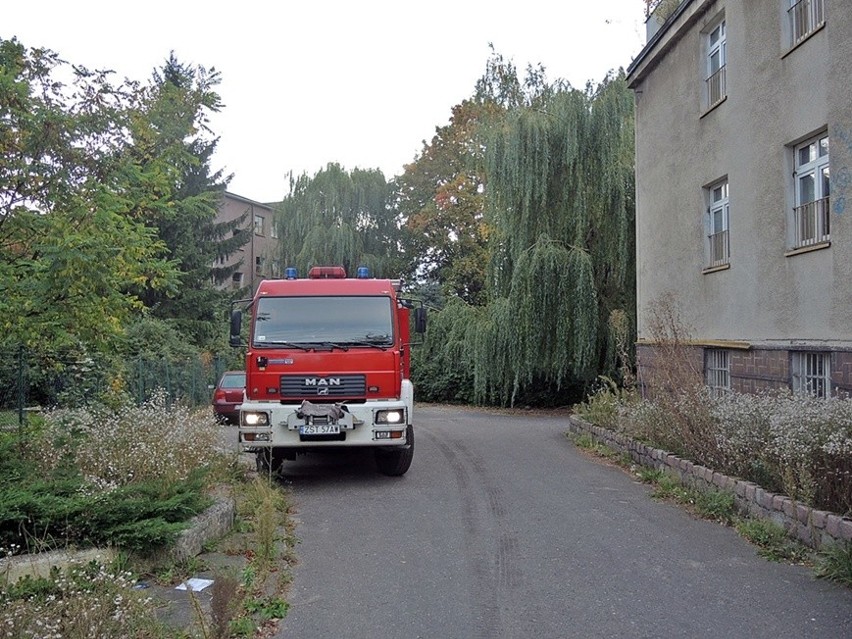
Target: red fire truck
{"points": [[327, 367]]}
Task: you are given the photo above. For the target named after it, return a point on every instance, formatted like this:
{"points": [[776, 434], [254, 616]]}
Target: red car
{"points": [[228, 396]]}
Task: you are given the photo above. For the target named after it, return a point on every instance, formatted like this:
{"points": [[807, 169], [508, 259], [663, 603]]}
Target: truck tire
{"points": [[395, 463]]}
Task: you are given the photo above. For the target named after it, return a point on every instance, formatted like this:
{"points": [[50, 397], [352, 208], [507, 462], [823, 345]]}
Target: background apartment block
{"points": [[259, 258], [744, 190]]}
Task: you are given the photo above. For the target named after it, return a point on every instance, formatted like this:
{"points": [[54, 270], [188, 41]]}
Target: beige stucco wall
{"points": [[775, 98], [262, 245]]}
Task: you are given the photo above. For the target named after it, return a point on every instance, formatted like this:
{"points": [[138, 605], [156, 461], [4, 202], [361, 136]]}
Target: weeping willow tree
{"points": [[559, 174], [340, 218]]}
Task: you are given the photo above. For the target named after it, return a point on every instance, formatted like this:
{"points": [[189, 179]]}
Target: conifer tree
{"points": [[180, 101]]}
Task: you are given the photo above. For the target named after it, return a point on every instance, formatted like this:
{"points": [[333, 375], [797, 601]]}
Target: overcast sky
{"points": [[316, 81]]}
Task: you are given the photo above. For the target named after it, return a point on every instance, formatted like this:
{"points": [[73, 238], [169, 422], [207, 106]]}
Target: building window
{"points": [[806, 16], [717, 371], [258, 225], [811, 373], [276, 268], [717, 225], [237, 280], [273, 230], [258, 265], [811, 222], [716, 61]]}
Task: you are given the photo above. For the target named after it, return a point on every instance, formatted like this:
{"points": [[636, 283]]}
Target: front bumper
{"points": [[373, 424]]}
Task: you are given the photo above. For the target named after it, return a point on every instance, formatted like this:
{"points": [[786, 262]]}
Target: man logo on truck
{"points": [[322, 381]]}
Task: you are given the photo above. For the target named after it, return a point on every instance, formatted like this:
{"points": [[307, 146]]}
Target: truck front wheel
{"points": [[395, 462]]}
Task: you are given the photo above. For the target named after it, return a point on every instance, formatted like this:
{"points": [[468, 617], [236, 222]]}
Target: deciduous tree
{"points": [[73, 242], [338, 217]]}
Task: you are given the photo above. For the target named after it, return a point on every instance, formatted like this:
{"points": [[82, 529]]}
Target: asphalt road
{"points": [[503, 529]]}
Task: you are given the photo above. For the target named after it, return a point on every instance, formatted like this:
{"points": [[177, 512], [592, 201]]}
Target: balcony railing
{"points": [[805, 17], [811, 223], [720, 249], [716, 89]]}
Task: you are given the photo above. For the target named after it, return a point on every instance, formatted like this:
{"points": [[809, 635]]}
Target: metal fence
{"points": [[36, 379]]}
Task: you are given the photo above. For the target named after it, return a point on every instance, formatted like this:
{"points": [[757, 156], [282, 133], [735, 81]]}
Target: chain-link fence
{"points": [[36, 379]]}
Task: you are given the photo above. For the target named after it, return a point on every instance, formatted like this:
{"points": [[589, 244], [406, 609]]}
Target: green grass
{"points": [[591, 445], [835, 563], [772, 541]]}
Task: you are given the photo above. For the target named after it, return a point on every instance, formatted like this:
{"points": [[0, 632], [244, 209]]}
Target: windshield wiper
{"points": [[304, 347], [375, 343]]}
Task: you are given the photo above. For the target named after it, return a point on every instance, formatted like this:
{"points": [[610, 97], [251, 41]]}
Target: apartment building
{"points": [[259, 258], [744, 207]]}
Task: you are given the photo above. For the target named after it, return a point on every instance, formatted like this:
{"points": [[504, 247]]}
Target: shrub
{"points": [[79, 603], [795, 444], [129, 477], [835, 563]]}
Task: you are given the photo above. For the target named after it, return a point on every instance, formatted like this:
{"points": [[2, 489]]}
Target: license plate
{"points": [[319, 429]]}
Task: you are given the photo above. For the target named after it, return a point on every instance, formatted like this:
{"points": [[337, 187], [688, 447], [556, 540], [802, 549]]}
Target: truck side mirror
{"points": [[420, 320], [236, 327]]}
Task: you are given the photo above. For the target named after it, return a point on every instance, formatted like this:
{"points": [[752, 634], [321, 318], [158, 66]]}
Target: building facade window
{"points": [[273, 230], [811, 221], [805, 16], [258, 265], [716, 64], [811, 373], [717, 371], [258, 225], [718, 220], [237, 280]]}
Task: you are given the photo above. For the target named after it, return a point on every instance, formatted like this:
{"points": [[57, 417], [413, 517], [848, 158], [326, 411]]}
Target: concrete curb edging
{"points": [[813, 527], [213, 523]]}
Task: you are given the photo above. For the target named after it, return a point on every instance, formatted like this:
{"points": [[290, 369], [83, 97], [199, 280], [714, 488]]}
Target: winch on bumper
{"points": [[310, 425]]}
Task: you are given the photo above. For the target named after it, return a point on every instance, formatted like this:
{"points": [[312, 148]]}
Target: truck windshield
{"points": [[338, 320]]}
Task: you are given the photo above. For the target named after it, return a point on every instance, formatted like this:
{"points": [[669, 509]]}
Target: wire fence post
{"points": [[21, 377]]}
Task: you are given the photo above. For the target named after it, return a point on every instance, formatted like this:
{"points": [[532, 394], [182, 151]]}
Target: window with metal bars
{"points": [[717, 224], [811, 220], [717, 371], [811, 373], [716, 64], [805, 17]]}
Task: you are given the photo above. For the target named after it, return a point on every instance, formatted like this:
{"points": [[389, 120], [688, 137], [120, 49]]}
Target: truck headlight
{"points": [[255, 419], [394, 416]]}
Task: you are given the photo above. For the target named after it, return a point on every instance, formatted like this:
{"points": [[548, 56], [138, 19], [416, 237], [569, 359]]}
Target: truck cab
{"points": [[327, 368]]}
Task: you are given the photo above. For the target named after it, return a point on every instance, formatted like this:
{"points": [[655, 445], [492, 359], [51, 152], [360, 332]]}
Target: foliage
{"points": [[442, 368], [771, 540], [558, 183], [605, 406], [79, 603], [71, 201], [796, 444], [174, 125], [341, 218], [65, 482], [95, 172], [440, 200], [835, 563]]}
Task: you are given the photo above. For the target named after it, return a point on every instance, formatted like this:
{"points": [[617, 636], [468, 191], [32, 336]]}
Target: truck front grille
{"points": [[322, 386]]}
